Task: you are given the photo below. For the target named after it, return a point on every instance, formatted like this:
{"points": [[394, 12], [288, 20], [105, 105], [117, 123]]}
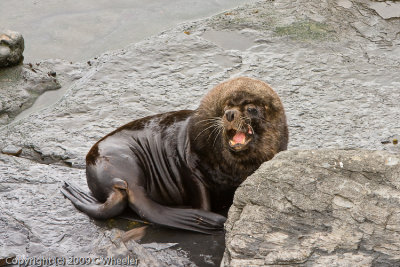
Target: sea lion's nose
{"points": [[230, 114]]}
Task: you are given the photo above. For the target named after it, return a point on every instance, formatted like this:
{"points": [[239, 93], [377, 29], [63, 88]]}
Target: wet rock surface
{"points": [[38, 222], [318, 208], [20, 86], [335, 65], [11, 48]]}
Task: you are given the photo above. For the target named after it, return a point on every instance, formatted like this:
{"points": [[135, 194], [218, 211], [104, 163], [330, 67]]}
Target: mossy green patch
{"points": [[306, 30]]}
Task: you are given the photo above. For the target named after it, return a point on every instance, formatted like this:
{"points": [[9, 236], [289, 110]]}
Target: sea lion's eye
{"points": [[252, 110]]}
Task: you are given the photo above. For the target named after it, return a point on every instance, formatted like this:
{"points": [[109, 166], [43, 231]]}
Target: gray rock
{"points": [[318, 208], [387, 9], [11, 48], [38, 221], [12, 150], [21, 86]]}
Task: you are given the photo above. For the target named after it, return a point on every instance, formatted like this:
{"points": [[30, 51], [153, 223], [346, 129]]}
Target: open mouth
{"points": [[239, 139]]}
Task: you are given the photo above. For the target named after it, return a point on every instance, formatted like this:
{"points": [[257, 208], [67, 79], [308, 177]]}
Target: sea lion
{"points": [[178, 168]]}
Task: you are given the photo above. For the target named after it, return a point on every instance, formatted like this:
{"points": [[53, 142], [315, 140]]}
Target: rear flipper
{"points": [[114, 205], [189, 219]]}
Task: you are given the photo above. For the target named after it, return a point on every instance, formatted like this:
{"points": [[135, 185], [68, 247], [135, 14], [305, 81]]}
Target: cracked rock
{"points": [[318, 208]]}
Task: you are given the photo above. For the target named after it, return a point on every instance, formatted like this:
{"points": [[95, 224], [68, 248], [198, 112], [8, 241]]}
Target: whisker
{"points": [[211, 123], [212, 132], [240, 125], [220, 129], [204, 131], [210, 120]]}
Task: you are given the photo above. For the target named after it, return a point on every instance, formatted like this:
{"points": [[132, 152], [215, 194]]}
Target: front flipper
{"points": [[189, 219], [114, 205]]}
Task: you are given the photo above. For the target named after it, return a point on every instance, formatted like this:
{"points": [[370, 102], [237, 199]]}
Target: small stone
{"points": [[3, 118], [11, 48], [344, 3], [52, 73], [12, 150]]}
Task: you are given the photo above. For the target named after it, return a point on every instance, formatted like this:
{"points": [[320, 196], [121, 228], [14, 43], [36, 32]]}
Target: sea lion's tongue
{"points": [[239, 138]]}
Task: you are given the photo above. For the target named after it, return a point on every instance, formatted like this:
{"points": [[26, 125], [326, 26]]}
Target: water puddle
{"points": [[80, 30], [387, 9], [201, 249], [229, 40], [44, 100]]}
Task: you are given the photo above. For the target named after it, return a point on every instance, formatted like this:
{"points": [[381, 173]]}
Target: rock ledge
{"points": [[318, 208]]}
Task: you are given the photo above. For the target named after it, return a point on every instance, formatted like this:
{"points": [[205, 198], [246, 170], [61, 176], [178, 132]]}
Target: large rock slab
{"points": [[318, 208]]}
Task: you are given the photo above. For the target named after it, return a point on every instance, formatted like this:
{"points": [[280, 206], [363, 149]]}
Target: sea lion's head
{"points": [[242, 121], [239, 121]]}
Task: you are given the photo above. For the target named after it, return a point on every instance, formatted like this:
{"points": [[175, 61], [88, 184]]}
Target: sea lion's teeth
{"points": [[231, 143], [250, 131]]}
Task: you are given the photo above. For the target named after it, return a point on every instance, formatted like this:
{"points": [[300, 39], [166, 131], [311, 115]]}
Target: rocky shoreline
{"points": [[335, 65]]}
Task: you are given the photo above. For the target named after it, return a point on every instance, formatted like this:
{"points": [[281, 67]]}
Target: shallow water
{"points": [[44, 100], [229, 40], [79, 30], [201, 249]]}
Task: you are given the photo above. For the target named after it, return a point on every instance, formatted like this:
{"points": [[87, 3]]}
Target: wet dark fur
{"points": [[159, 163]]}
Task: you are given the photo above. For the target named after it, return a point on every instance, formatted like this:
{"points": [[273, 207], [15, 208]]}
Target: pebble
{"points": [[12, 150]]}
